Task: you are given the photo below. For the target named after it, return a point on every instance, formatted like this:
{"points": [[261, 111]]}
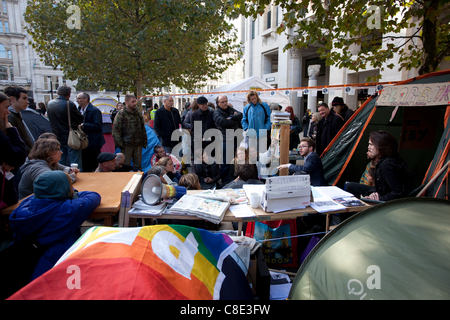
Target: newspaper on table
{"points": [[237, 196], [332, 198], [142, 209], [210, 208], [340, 196]]}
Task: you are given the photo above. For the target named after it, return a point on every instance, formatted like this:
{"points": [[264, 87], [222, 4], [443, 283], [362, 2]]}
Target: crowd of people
{"points": [[144, 140], [36, 159]]}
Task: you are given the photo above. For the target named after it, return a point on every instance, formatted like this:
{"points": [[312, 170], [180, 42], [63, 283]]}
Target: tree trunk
{"points": [[138, 92], [431, 62]]}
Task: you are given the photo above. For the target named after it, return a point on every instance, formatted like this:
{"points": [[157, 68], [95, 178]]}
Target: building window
{"points": [[253, 29], [269, 19], [2, 51], [277, 19], [274, 64], [5, 10], [11, 73], [4, 24], [270, 62], [46, 84], [54, 81], [3, 73]]}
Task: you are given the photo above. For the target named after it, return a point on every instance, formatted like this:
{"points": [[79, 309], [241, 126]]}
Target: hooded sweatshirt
{"points": [[52, 216], [31, 170]]}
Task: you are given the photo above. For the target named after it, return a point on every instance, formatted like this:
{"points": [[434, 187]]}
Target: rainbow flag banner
{"points": [[166, 262]]}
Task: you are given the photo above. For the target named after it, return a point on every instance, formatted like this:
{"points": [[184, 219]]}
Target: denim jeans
{"points": [[71, 156]]}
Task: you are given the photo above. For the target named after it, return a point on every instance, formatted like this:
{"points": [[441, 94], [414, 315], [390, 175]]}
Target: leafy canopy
{"points": [[134, 45], [352, 34]]}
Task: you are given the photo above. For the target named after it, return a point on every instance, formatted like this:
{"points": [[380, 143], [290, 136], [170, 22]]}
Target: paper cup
{"points": [[255, 198]]}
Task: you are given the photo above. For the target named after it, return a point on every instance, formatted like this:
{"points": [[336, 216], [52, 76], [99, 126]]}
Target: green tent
{"points": [[398, 250], [422, 132]]}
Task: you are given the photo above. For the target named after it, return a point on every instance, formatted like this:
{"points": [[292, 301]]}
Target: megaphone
{"points": [[153, 190]]}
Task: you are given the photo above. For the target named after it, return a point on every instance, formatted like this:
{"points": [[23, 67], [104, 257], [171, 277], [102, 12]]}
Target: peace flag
{"points": [[153, 262]]}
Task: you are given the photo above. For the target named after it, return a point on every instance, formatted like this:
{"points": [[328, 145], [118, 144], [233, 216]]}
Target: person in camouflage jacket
{"points": [[129, 132]]}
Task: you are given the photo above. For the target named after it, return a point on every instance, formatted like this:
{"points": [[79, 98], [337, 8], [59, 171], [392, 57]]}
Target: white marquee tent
{"points": [[237, 93], [106, 105]]}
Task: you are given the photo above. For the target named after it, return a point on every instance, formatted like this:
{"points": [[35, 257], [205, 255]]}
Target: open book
{"points": [[211, 208]]}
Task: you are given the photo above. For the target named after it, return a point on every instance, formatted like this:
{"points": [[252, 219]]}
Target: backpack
{"points": [[113, 114]]}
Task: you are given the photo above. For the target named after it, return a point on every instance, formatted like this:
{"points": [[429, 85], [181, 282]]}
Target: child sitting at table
{"points": [[190, 182]]}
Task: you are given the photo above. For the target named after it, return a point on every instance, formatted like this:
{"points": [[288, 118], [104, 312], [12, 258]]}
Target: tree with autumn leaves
{"points": [[357, 34], [134, 45]]}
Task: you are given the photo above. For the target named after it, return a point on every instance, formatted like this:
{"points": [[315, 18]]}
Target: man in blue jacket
{"points": [[92, 126], [256, 118], [312, 166]]}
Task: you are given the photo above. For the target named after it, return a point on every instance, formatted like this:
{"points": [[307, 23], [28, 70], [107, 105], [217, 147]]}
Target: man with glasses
{"points": [[226, 117], [312, 166]]}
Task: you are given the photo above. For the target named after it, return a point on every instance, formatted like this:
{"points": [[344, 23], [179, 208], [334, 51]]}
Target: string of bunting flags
{"points": [[329, 89]]}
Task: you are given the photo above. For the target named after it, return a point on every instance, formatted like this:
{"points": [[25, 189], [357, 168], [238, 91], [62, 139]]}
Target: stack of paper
{"points": [[211, 209], [142, 209], [280, 117]]}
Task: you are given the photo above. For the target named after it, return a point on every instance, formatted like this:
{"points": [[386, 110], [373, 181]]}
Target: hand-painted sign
{"points": [[411, 95]]}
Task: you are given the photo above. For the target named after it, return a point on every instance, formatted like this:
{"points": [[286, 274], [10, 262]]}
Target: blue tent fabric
{"points": [[147, 153]]}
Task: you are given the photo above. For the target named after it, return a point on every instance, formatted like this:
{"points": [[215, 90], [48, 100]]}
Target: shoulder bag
{"points": [[77, 140]]}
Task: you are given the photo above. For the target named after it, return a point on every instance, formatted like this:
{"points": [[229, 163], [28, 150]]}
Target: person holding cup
{"points": [[44, 156]]}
